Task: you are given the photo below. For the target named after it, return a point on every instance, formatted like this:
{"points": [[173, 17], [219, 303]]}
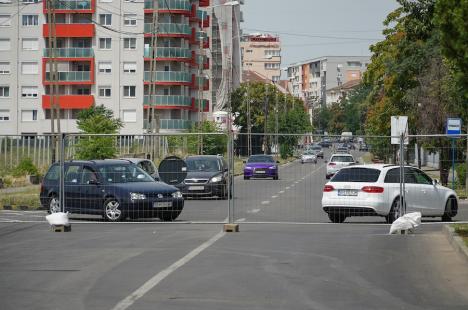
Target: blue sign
{"points": [[454, 126]]}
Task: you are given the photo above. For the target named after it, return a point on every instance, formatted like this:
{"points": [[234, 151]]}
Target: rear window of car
{"points": [[365, 175], [342, 159], [53, 174]]}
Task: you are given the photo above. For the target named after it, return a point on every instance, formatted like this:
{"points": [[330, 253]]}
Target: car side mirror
{"points": [[435, 182], [226, 169]]}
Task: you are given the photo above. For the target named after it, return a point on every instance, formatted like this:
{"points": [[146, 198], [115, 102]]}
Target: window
{"points": [[30, 20], [275, 78], [105, 43], [4, 68], [31, 1], [272, 66], [129, 116], [105, 91], [129, 43], [272, 53], [4, 115], [105, 19], [129, 67], [28, 115], [29, 68], [354, 64], [29, 91], [130, 19], [129, 91], [4, 91], [30, 44], [5, 44], [5, 20], [105, 67], [357, 175]]}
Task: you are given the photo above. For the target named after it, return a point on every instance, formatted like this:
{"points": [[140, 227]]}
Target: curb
{"points": [[456, 242], [21, 208]]}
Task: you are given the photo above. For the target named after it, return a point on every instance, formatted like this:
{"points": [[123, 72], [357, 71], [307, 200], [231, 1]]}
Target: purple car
{"points": [[261, 166]]}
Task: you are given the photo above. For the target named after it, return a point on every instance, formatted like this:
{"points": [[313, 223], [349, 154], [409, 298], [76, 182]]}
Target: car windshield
{"points": [[260, 159], [309, 153], [124, 174], [343, 159], [357, 175], [202, 164]]}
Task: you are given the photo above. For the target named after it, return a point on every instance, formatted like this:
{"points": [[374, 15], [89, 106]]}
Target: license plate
{"points": [[163, 204], [347, 192], [196, 188], [260, 171]]}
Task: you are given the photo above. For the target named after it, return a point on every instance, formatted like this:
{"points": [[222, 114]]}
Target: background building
{"points": [[261, 53]]}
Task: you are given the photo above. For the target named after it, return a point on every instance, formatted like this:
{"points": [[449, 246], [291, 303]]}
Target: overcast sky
{"points": [[349, 25]]}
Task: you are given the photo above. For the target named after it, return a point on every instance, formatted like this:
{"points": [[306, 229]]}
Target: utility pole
{"points": [[200, 97], [153, 118], [53, 77], [276, 125]]}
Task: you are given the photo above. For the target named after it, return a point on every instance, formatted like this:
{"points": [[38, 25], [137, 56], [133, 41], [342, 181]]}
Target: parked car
{"points": [[374, 190], [261, 166], [115, 189], [309, 157], [207, 176], [338, 161], [147, 165]]}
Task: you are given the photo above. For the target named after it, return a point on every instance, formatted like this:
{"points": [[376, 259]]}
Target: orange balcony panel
{"points": [[69, 102], [71, 30]]}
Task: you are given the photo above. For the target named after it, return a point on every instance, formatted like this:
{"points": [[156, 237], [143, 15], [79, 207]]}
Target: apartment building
{"points": [[310, 80], [104, 57], [262, 53]]}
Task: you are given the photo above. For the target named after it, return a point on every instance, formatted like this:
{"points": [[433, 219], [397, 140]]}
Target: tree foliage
{"points": [[97, 120]]}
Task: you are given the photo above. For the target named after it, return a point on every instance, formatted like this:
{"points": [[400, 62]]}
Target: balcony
{"points": [[169, 53], [169, 30], [71, 77], [72, 52], [204, 104], [175, 124], [69, 102], [169, 77], [174, 6], [169, 102], [71, 30], [204, 82], [72, 6]]}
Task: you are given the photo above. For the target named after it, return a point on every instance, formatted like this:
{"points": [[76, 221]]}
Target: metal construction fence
{"points": [[246, 177]]}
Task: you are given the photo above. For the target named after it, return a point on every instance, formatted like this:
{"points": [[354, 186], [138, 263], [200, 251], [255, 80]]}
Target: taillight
{"points": [[328, 188], [332, 164], [42, 187], [373, 189]]}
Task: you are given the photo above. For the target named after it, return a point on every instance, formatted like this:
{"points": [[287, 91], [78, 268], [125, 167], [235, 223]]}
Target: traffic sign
{"points": [[454, 126], [399, 126]]}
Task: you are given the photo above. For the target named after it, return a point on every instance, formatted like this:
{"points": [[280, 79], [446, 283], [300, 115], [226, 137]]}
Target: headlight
{"points": [[216, 179], [248, 168], [137, 196], [177, 194], [272, 167]]}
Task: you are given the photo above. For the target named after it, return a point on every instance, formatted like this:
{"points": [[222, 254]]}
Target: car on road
{"points": [[317, 149], [309, 157], [207, 176], [325, 143], [342, 150], [261, 166], [363, 147], [147, 165], [115, 189], [374, 190], [338, 161]]}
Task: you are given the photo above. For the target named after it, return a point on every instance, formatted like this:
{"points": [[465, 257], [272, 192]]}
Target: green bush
{"points": [[26, 166], [461, 173]]}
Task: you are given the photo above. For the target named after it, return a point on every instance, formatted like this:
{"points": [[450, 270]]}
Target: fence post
{"points": [[230, 178], [62, 172], [402, 176], [466, 170]]}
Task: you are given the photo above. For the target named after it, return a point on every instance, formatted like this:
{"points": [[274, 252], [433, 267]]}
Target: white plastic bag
{"points": [[58, 218], [408, 221]]}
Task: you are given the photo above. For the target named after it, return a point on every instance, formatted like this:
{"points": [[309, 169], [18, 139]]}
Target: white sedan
{"points": [[309, 157], [374, 190], [338, 161]]}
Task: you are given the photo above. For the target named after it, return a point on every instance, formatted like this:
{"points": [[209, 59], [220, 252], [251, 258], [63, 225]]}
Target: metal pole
{"points": [[402, 176], [466, 173], [453, 164], [62, 172]]}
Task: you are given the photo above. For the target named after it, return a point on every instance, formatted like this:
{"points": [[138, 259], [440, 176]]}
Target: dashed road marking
{"points": [[281, 192], [241, 220], [274, 196], [287, 187], [253, 211], [266, 202]]}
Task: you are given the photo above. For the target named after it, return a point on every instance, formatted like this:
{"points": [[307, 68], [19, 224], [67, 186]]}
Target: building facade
{"points": [[104, 57], [261, 53]]}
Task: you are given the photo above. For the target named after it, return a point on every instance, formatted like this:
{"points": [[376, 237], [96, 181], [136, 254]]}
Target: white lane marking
{"points": [[253, 211], [293, 185], [151, 283], [266, 202], [303, 178], [281, 192], [241, 220], [288, 187], [274, 196], [297, 182]]}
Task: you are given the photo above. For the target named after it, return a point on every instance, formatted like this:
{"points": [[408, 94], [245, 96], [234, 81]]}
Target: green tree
{"points": [[97, 120]]}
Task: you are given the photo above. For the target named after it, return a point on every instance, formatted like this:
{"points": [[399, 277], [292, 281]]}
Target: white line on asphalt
{"points": [[281, 192], [151, 283], [274, 196], [266, 202], [241, 220], [287, 187], [253, 211], [297, 182]]}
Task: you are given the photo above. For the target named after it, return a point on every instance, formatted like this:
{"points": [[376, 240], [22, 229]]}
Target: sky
{"points": [[349, 26]]}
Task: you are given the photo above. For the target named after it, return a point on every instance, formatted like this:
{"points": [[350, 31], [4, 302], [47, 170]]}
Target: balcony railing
{"points": [[170, 28], [168, 76], [172, 4], [201, 14], [203, 103], [169, 52], [175, 124], [71, 5], [174, 100], [73, 52], [72, 76]]}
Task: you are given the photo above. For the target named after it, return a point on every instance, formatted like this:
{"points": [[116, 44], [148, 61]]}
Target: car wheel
{"points": [[169, 216], [112, 210], [450, 209], [246, 178], [54, 204], [337, 217], [275, 177], [394, 211]]}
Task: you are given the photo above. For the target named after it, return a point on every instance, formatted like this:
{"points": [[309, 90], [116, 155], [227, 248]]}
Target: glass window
{"points": [[421, 177], [130, 43], [129, 67], [88, 176], [202, 164], [53, 174], [105, 67], [260, 159], [342, 159], [5, 68], [393, 176], [129, 91], [105, 19], [124, 174], [357, 175], [130, 19], [29, 91], [72, 174], [4, 91], [105, 43], [30, 20], [105, 91], [4, 115]]}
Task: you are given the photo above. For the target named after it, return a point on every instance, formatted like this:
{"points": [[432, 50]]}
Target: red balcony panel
{"points": [[168, 107], [92, 9], [206, 43], [206, 22], [69, 102], [206, 65], [71, 30], [204, 3]]}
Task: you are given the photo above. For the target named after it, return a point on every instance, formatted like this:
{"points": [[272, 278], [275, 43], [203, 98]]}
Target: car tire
{"points": [[337, 217], [451, 209], [246, 178], [169, 215], [112, 211], [275, 177], [53, 204], [394, 211]]}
